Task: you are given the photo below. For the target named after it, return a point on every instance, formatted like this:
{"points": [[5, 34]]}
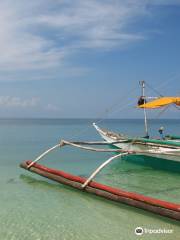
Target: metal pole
{"points": [[142, 83]]}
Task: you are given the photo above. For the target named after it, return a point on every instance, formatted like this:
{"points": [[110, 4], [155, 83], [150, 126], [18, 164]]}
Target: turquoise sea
{"points": [[34, 208]]}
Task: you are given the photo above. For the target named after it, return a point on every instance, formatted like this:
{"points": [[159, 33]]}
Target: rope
{"points": [[156, 91], [162, 111], [163, 84], [119, 102], [110, 110]]}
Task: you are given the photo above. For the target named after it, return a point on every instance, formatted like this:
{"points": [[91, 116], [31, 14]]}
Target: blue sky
{"points": [[84, 58]]}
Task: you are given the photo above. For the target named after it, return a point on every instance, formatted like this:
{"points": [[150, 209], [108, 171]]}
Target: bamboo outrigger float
{"points": [[165, 148], [164, 208]]}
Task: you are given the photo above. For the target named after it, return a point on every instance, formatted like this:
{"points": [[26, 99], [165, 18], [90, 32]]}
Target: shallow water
{"points": [[32, 207]]}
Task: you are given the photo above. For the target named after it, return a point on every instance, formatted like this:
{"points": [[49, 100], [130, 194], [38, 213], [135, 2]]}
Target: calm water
{"points": [[32, 207]]}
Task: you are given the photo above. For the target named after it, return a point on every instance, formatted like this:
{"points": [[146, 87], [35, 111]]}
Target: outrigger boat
{"points": [[168, 148]]}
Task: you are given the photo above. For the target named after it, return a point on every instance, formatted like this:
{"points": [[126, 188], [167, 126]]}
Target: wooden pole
{"points": [[160, 207]]}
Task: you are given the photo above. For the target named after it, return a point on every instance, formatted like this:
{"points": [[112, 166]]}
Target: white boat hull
{"points": [[152, 151]]}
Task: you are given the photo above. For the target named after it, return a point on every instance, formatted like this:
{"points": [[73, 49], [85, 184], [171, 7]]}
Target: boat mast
{"points": [[142, 83]]}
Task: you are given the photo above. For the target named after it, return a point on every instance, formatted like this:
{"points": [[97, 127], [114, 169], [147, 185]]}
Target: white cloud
{"points": [[20, 47], [38, 35], [18, 103], [8, 101], [93, 23], [52, 107]]}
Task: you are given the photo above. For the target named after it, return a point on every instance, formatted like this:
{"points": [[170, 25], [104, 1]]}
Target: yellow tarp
{"points": [[161, 102]]}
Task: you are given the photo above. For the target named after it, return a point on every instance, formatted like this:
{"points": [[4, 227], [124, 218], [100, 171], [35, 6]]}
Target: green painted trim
{"points": [[153, 162], [156, 141], [172, 137]]}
